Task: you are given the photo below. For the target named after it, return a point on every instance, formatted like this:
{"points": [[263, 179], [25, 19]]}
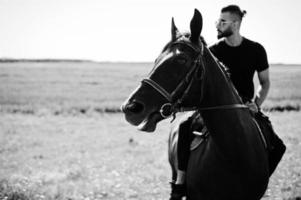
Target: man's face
{"points": [[224, 25]]}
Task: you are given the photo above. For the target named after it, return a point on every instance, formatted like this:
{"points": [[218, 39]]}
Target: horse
{"points": [[232, 162]]}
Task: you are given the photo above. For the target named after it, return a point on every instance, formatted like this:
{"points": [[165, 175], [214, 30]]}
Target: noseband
{"points": [[174, 105]]}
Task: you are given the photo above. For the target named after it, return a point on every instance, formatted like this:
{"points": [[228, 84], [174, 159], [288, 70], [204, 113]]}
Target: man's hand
{"points": [[253, 107]]}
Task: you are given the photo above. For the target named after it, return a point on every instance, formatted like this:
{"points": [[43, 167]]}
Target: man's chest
{"points": [[238, 60]]}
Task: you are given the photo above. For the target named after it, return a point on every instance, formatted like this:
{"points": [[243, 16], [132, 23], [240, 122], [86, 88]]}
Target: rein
{"points": [[174, 105]]}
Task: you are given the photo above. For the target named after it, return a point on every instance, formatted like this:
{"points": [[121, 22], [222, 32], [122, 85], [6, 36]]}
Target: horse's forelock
{"points": [[184, 36], [187, 35]]}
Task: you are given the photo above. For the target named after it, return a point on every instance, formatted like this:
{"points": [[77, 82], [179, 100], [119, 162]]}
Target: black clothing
{"points": [[275, 146], [184, 139], [178, 191], [242, 61]]}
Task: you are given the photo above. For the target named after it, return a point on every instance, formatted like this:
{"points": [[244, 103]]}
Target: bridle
{"points": [[173, 104]]}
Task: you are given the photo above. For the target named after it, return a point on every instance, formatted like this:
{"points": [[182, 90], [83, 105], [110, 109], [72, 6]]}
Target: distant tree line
{"points": [[13, 60]]}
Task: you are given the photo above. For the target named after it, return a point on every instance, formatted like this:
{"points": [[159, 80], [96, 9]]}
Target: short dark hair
{"points": [[234, 9]]}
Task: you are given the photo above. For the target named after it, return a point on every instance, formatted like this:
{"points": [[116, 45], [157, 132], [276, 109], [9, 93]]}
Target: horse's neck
{"points": [[225, 125], [218, 89], [218, 92]]}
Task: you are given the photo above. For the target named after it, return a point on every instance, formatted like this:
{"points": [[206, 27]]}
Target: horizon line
{"points": [[11, 60]]}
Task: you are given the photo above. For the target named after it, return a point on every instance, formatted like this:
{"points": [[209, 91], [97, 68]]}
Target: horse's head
{"points": [[176, 71]]}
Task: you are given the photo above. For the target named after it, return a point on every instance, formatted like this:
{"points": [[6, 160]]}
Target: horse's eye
{"points": [[181, 60]]}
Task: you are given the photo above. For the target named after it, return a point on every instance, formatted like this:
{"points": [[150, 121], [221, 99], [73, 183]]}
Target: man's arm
{"points": [[264, 86]]}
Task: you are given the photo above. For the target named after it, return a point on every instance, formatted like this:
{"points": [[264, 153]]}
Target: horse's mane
{"points": [[225, 69], [227, 73]]}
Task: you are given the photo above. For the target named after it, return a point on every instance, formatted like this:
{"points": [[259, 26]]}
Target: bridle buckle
{"points": [[166, 110]]}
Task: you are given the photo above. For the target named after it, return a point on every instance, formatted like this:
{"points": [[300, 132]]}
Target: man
{"points": [[242, 58]]}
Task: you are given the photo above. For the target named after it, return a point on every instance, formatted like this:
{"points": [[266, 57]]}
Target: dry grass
{"points": [[61, 157], [63, 86], [285, 92], [102, 157], [57, 140]]}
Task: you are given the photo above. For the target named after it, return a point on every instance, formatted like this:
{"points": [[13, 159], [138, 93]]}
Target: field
{"points": [[62, 136]]}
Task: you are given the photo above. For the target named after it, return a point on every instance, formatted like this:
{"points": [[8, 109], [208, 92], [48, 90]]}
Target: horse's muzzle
{"points": [[132, 107]]}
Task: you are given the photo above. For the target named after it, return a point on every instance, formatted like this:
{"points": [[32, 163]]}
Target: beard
{"points": [[226, 33]]}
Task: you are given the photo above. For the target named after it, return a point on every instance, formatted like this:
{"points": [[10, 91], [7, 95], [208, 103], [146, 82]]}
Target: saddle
{"points": [[198, 138]]}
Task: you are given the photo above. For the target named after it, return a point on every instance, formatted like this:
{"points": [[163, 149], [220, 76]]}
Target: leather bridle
{"points": [[173, 104]]}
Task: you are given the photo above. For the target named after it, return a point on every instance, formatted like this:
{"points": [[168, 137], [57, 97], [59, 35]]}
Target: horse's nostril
{"points": [[134, 107]]}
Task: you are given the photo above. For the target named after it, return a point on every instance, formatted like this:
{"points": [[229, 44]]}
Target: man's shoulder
{"points": [[219, 43], [259, 51], [218, 47], [252, 43]]}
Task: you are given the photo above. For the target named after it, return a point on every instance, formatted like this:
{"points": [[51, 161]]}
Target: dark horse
{"points": [[232, 163]]}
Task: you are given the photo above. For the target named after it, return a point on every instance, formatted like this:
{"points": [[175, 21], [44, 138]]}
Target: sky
{"points": [[136, 30]]}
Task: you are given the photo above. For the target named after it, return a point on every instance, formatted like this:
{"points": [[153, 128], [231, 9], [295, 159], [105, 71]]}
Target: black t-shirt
{"points": [[242, 61]]}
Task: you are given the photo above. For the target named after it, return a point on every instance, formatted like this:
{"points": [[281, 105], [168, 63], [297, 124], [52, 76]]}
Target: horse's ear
{"points": [[196, 25], [174, 30]]}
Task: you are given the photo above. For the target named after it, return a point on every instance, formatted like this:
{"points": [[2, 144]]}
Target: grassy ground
{"points": [[63, 86], [102, 157], [57, 140], [67, 157]]}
